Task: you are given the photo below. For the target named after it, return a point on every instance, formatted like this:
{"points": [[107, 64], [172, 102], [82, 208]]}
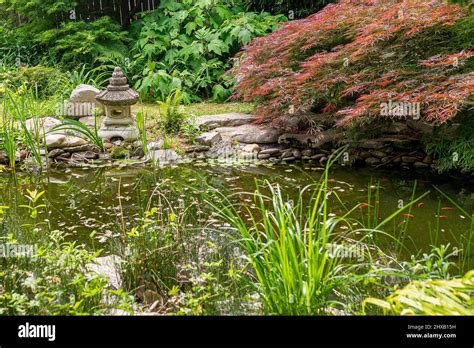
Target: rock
{"points": [[270, 151], [317, 156], [209, 138], [297, 139], [82, 102], [196, 148], [420, 165], [109, 267], [250, 134], [104, 157], [42, 125], [251, 148], [223, 149], [296, 153], [427, 160], [307, 153], [286, 153], [378, 154], [119, 152], [21, 154], [396, 128], [108, 145], [3, 157], [81, 148], [372, 144], [90, 155], [330, 136], [139, 152], [64, 156], [150, 297], [409, 159], [289, 159], [61, 141], [420, 126], [163, 156], [155, 145], [90, 121], [224, 120], [55, 153], [263, 156], [372, 161], [259, 135], [55, 140]]}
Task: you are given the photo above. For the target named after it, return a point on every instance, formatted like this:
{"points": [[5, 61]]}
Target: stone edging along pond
{"points": [[235, 136]]}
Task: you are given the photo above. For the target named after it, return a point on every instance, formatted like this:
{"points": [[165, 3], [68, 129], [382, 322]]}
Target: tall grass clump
{"points": [[17, 110], [297, 249]]}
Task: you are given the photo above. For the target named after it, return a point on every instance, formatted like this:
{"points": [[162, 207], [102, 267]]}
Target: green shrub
{"points": [[186, 45], [42, 80], [453, 151]]}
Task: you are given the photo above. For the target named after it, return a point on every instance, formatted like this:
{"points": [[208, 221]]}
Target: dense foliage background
{"points": [[182, 45]]}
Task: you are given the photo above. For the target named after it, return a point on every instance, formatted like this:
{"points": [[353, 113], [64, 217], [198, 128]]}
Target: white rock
{"points": [[82, 101]]}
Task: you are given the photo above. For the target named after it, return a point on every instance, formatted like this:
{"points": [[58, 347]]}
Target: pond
{"points": [[108, 200]]}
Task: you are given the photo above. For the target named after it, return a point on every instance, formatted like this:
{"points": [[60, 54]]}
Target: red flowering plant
{"points": [[352, 56]]}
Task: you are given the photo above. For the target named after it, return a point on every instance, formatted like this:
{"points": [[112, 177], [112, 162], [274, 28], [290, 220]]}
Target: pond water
{"points": [[80, 201]]}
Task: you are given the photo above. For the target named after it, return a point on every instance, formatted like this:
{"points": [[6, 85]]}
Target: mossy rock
{"points": [[119, 152]]}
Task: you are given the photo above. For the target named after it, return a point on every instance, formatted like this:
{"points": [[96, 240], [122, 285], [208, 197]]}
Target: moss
{"points": [[119, 152]]}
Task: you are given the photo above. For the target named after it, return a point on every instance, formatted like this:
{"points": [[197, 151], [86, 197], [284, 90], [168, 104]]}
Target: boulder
{"points": [[224, 120], [209, 138], [82, 102], [250, 134]]}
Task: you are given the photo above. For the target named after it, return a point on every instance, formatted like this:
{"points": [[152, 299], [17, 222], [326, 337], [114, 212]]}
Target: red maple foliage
{"points": [[350, 57]]}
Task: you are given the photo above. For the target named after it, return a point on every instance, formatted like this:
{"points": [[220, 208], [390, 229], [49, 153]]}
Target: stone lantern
{"points": [[117, 100]]}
